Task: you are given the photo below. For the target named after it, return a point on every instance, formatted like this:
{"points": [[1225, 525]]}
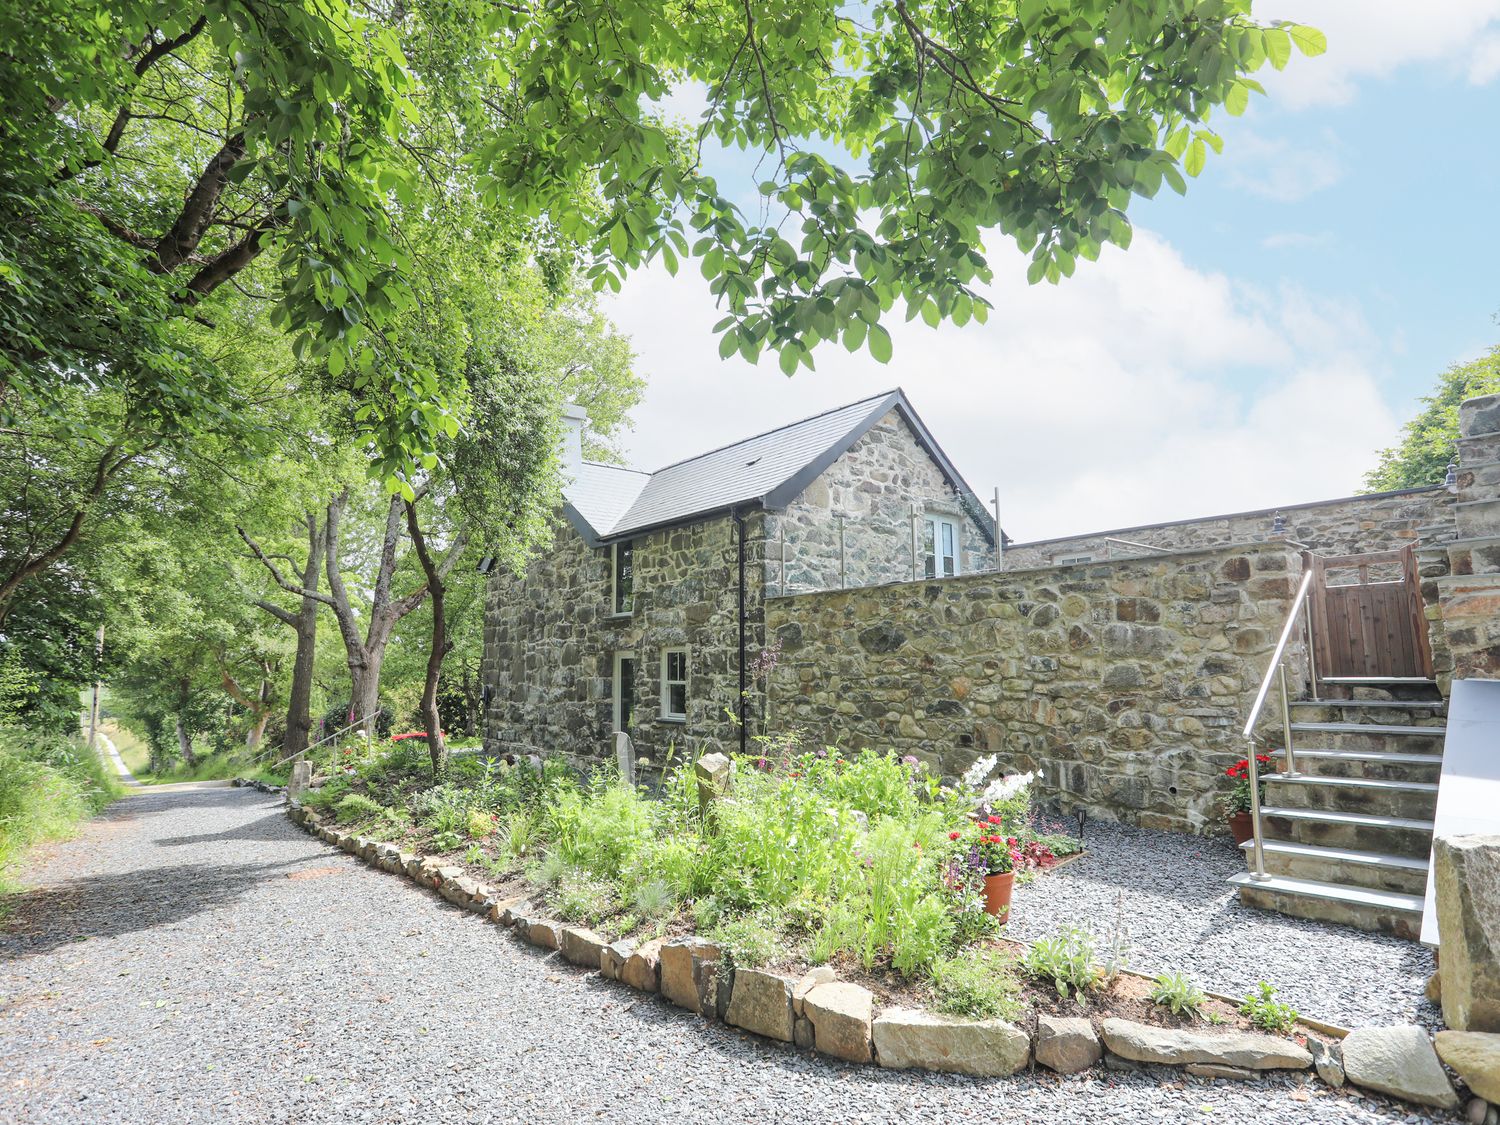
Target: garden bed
{"points": [[866, 865]]}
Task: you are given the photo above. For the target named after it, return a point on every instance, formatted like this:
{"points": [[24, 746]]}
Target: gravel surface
{"points": [[1181, 916], [194, 957]]}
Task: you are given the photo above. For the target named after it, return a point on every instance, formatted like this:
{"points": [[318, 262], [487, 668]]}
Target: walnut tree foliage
{"points": [[1429, 442], [155, 156]]}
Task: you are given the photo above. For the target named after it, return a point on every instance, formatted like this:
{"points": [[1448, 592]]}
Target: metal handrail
{"points": [[309, 748], [1133, 543], [1276, 670]]}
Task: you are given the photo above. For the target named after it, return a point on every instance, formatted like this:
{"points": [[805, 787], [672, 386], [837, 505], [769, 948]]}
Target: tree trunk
{"points": [[185, 744], [437, 746], [364, 682], [299, 706]]}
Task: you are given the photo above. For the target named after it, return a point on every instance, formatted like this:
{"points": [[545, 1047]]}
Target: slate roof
{"points": [[770, 470]]}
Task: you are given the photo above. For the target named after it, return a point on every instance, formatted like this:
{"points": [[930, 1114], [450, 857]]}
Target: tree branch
{"points": [[285, 583], [198, 211]]}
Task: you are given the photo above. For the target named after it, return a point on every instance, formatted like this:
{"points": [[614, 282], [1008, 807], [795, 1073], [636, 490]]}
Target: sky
{"points": [[1256, 345]]}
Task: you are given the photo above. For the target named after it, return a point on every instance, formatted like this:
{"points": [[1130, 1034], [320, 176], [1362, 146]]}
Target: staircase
{"points": [[1346, 838]]}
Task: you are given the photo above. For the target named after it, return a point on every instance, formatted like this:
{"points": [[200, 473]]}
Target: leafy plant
{"points": [[582, 898], [353, 807], [1179, 994], [980, 984], [653, 899], [749, 940], [1266, 1012], [1066, 960], [481, 824]]}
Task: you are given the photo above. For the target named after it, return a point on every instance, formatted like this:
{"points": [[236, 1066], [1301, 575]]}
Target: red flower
{"points": [[994, 820], [954, 835]]}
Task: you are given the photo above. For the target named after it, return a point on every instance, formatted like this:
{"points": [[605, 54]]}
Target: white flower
{"points": [[1004, 788], [975, 775]]}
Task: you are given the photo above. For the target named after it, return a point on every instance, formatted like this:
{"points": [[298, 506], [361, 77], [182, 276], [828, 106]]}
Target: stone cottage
{"points": [[647, 614]]}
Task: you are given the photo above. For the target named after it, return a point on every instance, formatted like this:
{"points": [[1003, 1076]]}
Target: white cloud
{"points": [[1140, 390], [1372, 39], [1274, 168], [1296, 240]]}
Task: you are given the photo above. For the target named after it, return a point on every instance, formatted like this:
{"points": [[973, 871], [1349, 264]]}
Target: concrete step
{"points": [[1378, 688], [1412, 737], [1386, 765], [1361, 832], [1392, 712], [1377, 871], [1379, 911], [1411, 800]]}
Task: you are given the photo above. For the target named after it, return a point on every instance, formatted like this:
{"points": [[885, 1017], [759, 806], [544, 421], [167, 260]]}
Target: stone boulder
{"points": [[540, 932], [642, 968], [761, 1002], [612, 959], [1328, 1058], [1066, 1044], [841, 1015], [684, 972], [1476, 1057], [1466, 875], [1170, 1046], [581, 946], [821, 974], [984, 1048], [1399, 1061]]}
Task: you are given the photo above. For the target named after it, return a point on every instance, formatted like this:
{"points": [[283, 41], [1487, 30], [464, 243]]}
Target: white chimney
{"points": [[570, 453]]}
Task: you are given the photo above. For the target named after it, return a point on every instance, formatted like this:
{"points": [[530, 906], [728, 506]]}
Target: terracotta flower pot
{"points": [[1240, 827], [997, 890]]}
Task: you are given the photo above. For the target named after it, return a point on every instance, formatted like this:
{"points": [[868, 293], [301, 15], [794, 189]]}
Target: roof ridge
{"points": [[612, 465], [777, 429]]}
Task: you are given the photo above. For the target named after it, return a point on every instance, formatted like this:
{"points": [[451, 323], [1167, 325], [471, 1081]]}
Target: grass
{"points": [[49, 785]]}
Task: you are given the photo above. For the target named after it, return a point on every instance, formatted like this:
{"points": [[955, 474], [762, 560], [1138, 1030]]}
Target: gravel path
{"points": [[1181, 916], [193, 957]]}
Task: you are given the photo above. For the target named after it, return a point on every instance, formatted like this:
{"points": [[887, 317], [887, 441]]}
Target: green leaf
{"points": [[1197, 154], [1310, 41], [729, 343], [1278, 47], [880, 344], [1238, 99]]}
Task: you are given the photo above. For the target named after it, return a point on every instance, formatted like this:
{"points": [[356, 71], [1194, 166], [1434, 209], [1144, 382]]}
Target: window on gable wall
{"points": [[940, 545], [674, 678], [622, 576]]}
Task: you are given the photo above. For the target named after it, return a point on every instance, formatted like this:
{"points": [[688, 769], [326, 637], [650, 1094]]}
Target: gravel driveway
{"points": [[1180, 915], [193, 957]]}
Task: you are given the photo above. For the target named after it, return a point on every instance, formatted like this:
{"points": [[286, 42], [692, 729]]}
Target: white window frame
{"points": [[1071, 560], [614, 579], [619, 683], [937, 521], [667, 713]]}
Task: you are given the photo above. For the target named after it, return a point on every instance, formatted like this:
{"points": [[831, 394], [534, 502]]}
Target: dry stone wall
{"points": [[1124, 683], [551, 641], [873, 487], [1382, 521]]}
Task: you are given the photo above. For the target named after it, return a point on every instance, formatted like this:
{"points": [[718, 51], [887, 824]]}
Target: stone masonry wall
{"points": [[1354, 525], [1124, 683], [550, 642], [873, 486]]}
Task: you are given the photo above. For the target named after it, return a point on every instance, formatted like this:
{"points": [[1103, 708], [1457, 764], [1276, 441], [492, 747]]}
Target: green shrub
{"points": [[582, 898], [1266, 1012], [653, 899], [353, 807], [750, 941], [327, 795], [48, 785], [1066, 960], [481, 824], [980, 984], [1176, 992]]}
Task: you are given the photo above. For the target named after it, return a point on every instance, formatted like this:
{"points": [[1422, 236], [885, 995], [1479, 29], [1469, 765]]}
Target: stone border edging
{"points": [[838, 1019], [256, 783]]}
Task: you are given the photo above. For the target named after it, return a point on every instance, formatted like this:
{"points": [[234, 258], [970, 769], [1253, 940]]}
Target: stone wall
{"points": [[873, 487], [1124, 683], [551, 640], [1382, 521]]}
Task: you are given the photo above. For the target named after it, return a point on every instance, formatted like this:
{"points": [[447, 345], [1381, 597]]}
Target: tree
{"points": [[1430, 440], [139, 184]]}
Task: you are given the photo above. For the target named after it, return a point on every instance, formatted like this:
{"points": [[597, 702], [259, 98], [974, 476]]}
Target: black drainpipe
{"points": [[739, 524]]}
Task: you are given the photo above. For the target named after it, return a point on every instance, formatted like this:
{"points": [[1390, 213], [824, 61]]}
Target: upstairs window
{"points": [[940, 546], [622, 577], [674, 678]]}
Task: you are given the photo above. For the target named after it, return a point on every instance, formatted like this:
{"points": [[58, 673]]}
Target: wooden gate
{"points": [[1367, 615]]}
